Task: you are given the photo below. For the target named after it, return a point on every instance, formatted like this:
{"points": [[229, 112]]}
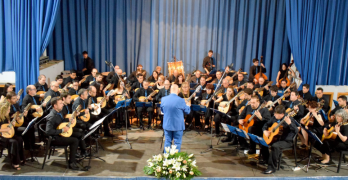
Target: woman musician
{"points": [[120, 94], [179, 80]]}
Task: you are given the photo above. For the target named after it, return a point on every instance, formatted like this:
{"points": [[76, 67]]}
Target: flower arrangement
{"points": [[172, 165]]}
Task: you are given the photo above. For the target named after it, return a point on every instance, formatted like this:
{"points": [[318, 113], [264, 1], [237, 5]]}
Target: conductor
{"points": [[174, 108]]}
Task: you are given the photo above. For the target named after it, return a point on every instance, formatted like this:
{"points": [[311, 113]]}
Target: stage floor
{"points": [[124, 162]]}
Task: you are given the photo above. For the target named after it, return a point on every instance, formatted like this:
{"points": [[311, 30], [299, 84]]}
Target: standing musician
{"points": [[173, 77], [262, 116], [263, 83], [240, 81], [53, 92], [75, 88], [185, 93], [286, 139], [178, 81], [256, 69], [342, 103], [318, 123], [164, 91], [41, 84], [340, 143], [218, 77], [14, 144], [174, 109], [144, 91], [153, 78], [208, 62], [319, 97], [55, 118], [120, 94], [305, 94], [31, 97], [139, 83], [218, 118], [196, 78], [88, 63], [133, 77], [282, 73], [205, 96]]}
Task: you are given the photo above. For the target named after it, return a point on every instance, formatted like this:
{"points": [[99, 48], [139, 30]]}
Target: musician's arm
{"points": [[136, 96], [50, 129], [266, 115], [343, 138], [318, 118], [277, 80], [267, 125]]}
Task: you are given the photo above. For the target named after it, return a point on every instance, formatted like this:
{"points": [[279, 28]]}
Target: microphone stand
{"points": [[211, 148]]}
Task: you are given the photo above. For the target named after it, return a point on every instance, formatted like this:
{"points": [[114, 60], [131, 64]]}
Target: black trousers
{"points": [[15, 148], [149, 110], [207, 116], [72, 142], [276, 150], [330, 146], [107, 120], [29, 139], [218, 118]]}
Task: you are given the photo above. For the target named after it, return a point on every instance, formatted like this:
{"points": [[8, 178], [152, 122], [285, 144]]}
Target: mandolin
{"points": [[39, 114], [260, 74], [260, 90], [188, 100], [20, 121], [69, 124], [68, 116], [20, 92], [276, 130], [249, 120], [206, 102], [146, 99], [101, 104], [11, 133], [87, 116], [308, 120], [225, 106], [65, 87], [302, 103]]}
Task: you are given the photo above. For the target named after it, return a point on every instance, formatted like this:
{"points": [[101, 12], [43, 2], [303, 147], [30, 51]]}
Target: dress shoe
{"points": [[74, 167], [252, 151], [141, 128], [149, 128], [262, 162], [269, 171], [227, 139]]}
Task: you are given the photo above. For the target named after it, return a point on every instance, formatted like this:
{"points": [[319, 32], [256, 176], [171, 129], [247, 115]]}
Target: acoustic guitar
{"points": [[69, 124], [260, 74], [68, 116], [270, 104], [277, 129], [11, 133], [225, 106], [87, 116], [260, 90], [20, 120], [249, 120], [39, 114]]}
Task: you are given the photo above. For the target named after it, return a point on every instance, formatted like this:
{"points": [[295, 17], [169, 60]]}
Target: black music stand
{"points": [[235, 131], [125, 104], [90, 146], [30, 125], [314, 138], [196, 108]]}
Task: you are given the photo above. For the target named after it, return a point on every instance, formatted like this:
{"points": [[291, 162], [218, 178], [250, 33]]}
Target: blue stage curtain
{"points": [[151, 32], [318, 36], [26, 27]]}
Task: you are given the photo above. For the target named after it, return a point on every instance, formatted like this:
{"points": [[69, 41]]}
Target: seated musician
{"points": [[139, 83], [174, 76], [67, 109], [71, 77], [159, 69], [196, 78], [305, 94], [293, 103], [340, 143], [218, 77], [185, 93], [282, 88], [218, 118], [75, 88], [203, 83], [41, 84], [134, 76], [54, 119], [90, 78], [160, 83], [88, 63], [240, 81], [153, 78], [53, 92], [203, 101], [282, 73], [318, 123], [229, 72], [245, 100], [263, 83], [111, 78], [273, 96], [31, 97], [59, 80], [120, 94], [14, 144], [144, 91], [8, 88], [13, 100], [319, 97], [83, 101], [164, 91], [342, 103], [208, 62], [98, 79], [114, 79], [224, 86], [286, 139], [256, 69], [262, 116], [179, 80]]}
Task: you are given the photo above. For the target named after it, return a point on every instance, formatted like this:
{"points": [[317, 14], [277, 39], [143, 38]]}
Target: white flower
{"points": [[189, 160], [184, 175], [173, 147], [158, 169], [159, 157], [179, 159], [178, 174], [190, 156], [165, 155], [176, 166], [184, 168], [194, 163], [150, 164], [149, 160], [167, 149], [165, 163], [191, 172], [177, 150], [172, 151]]}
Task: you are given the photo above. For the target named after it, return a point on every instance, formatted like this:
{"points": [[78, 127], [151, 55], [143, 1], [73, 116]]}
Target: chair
{"points": [[342, 156], [294, 140], [47, 141]]}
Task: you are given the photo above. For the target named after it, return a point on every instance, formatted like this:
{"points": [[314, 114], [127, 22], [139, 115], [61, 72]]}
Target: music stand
{"points": [[90, 147], [196, 108], [314, 138], [30, 124], [125, 104]]}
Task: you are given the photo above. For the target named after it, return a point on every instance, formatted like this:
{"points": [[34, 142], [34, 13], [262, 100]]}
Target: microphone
{"points": [[107, 63], [230, 66]]}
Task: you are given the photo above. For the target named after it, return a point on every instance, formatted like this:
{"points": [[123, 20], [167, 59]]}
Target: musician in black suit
{"points": [[240, 81], [83, 101], [67, 109], [41, 84], [319, 97], [31, 97], [53, 92], [263, 83], [133, 77], [196, 79], [12, 98], [305, 94], [256, 69], [75, 88], [164, 91], [218, 77], [54, 119], [205, 96], [174, 76], [112, 77], [271, 96], [71, 77], [159, 69], [90, 78], [60, 80], [294, 104], [88, 63], [286, 139], [144, 91], [342, 103], [185, 93], [261, 117], [139, 83]]}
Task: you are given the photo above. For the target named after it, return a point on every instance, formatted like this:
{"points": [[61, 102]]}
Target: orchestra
{"points": [[254, 104]]}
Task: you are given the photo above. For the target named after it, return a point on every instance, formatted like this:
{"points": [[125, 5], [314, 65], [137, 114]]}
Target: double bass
{"points": [[260, 74]]}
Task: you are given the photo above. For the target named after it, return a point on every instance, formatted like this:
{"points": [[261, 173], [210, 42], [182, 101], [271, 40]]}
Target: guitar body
{"points": [[287, 81], [205, 103], [40, 92], [73, 97], [224, 109], [247, 124], [119, 98], [85, 117], [261, 93], [104, 102], [332, 135], [68, 116], [274, 135], [36, 114], [258, 75], [19, 122], [95, 106], [9, 134], [220, 94], [143, 99], [65, 134], [309, 121]]}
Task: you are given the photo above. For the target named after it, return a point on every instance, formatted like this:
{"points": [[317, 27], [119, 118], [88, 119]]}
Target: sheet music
{"points": [[225, 127]]}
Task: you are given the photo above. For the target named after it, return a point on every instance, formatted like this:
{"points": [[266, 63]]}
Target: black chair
{"points": [[47, 141], [293, 148], [342, 156]]}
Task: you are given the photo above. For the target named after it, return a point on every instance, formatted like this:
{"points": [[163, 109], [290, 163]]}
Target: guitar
{"points": [[101, 104], [146, 99], [270, 104], [250, 119], [65, 87], [69, 124], [303, 102], [68, 116], [188, 100], [39, 114], [287, 89], [20, 122], [235, 74], [86, 116], [11, 133], [308, 120], [260, 74], [81, 81], [225, 106], [260, 90], [276, 130], [206, 102]]}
